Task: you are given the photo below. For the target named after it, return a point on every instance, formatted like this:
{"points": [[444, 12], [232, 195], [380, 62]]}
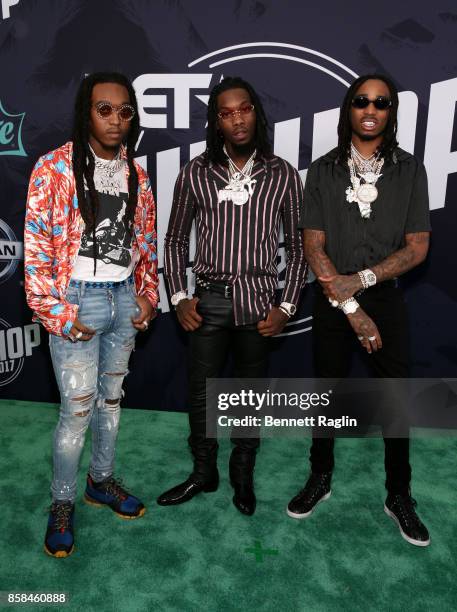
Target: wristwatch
{"points": [[349, 306], [177, 297], [368, 278], [288, 309]]}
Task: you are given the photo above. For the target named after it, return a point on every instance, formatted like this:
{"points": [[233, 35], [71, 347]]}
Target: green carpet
{"points": [[201, 556]]}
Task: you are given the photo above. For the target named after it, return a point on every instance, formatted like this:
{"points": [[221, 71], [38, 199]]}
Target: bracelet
{"points": [[349, 306], [368, 278], [362, 280]]}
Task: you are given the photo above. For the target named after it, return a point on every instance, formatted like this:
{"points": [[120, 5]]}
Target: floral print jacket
{"points": [[52, 236]]}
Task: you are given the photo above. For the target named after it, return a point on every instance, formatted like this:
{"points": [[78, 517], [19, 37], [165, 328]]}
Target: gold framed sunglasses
{"points": [[104, 110]]}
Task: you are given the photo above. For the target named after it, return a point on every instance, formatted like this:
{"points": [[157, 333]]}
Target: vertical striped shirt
{"points": [[237, 244]]}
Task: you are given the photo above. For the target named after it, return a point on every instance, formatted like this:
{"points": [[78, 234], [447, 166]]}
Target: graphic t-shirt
{"points": [[114, 242]]}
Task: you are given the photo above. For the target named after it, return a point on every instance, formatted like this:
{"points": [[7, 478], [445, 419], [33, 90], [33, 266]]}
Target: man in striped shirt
{"points": [[238, 192]]}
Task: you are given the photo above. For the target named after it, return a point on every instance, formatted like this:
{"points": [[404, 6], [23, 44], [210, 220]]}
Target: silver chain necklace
{"points": [[364, 164], [240, 186], [364, 173], [104, 172]]}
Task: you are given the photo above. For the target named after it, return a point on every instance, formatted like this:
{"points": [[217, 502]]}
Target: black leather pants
{"points": [[209, 347]]}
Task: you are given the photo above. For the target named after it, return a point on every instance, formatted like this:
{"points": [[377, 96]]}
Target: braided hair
{"points": [[83, 159], [389, 141], [214, 142]]}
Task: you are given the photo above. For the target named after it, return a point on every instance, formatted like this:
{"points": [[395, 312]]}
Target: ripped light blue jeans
{"points": [[90, 376]]}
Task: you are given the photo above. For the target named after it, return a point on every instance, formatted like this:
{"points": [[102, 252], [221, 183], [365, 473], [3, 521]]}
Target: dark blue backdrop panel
{"points": [[300, 58]]}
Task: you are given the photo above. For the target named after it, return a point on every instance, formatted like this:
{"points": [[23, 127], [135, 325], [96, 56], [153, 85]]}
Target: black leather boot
{"points": [[188, 489], [242, 464], [244, 498]]}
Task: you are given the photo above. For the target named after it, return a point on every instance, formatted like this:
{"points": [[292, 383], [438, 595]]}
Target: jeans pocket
{"points": [[132, 296]]}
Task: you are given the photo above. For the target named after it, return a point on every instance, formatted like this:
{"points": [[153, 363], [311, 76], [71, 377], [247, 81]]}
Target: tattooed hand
{"points": [[366, 330], [340, 287]]}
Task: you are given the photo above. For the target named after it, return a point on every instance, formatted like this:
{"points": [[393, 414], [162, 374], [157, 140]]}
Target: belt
{"points": [[101, 284], [215, 286]]}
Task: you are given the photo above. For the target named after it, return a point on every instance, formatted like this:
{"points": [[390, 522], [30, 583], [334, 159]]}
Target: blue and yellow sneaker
{"points": [[59, 540], [110, 493]]}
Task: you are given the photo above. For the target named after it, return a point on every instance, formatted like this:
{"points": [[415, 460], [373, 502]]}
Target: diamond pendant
{"points": [[365, 210], [237, 197], [367, 193], [369, 177]]}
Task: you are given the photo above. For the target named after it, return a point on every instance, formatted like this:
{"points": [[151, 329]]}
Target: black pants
{"points": [[333, 342], [209, 347]]}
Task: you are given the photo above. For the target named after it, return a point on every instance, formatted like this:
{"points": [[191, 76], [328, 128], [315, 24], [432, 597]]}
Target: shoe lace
{"points": [[407, 506], [61, 514], [313, 487], [114, 487]]}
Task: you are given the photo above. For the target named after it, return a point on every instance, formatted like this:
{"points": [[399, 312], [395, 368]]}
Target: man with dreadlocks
{"points": [[237, 192], [91, 280], [366, 222]]}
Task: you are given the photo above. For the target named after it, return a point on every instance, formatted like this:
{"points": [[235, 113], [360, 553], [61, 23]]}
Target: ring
{"points": [[145, 324], [360, 338], [79, 335], [371, 338], [334, 303]]}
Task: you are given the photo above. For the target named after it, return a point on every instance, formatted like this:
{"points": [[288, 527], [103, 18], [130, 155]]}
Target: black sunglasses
{"points": [[380, 102]]}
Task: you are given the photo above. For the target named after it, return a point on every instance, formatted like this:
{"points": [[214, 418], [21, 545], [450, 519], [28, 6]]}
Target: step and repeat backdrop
{"points": [[301, 57]]}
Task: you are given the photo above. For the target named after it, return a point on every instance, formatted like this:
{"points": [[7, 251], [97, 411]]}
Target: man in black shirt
{"points": [[366, 222]]}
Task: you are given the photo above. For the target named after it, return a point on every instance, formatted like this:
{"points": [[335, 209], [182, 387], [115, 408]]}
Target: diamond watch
{"points": [[177, 297], [349, 306], [288, 309], [368, 278]]}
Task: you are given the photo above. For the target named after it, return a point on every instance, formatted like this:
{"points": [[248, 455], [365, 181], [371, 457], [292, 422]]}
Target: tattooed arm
{"points": [[340, 287], [319, 261], [411, 255], [335, 286], [323, 268]]}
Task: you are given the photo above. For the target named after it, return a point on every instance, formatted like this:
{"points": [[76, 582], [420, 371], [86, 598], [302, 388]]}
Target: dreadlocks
{"points": [[83, 159], [389, 141], [214, 142]]}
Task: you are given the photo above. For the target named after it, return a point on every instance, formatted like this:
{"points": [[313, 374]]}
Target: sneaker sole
{"points": [[91, 502], [403, 534], [60, 554], [295, 515]]}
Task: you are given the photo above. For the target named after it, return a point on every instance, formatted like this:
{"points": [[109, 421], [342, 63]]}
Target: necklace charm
{"points": [[369, 177], [367, 193], [105, 171], [364, 175], [240, 186]]}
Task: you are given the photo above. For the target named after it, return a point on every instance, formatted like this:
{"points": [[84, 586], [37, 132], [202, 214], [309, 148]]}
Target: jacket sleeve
{"points": [[146, 269], [42, 293]]}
